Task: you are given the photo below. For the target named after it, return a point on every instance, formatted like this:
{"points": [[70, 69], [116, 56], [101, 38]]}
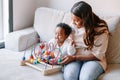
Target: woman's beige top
{"points": [[99, 48]]}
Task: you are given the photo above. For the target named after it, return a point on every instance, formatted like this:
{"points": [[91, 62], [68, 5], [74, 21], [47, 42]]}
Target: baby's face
{"points": [[60, 35]]}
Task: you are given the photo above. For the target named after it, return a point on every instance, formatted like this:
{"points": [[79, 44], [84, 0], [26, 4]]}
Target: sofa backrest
{"points": [[46, 20], [113, 51]]}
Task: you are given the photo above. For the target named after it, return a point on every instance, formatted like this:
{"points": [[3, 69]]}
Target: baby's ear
{"points": [[66, 36]]}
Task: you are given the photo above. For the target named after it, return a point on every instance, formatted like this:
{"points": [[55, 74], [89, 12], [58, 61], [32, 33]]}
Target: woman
{"points": [[90, 35]]}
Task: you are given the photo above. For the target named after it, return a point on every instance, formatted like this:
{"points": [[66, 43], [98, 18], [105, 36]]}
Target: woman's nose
{"points": [[73, 22]]}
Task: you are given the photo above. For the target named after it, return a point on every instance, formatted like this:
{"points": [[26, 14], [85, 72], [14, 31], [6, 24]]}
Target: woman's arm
{"points": [[85, 57], [69, 59]]}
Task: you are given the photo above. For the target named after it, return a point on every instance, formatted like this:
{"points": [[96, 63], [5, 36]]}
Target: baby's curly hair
{"points": [[66, 27]]}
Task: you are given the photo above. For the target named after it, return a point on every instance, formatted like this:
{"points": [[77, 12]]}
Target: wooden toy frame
{"points": [[45, 68], [41, 65]]}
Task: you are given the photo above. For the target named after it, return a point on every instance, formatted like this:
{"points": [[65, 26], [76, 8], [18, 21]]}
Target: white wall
{"points": [[23, 10], [100, 7], [23, 13]]}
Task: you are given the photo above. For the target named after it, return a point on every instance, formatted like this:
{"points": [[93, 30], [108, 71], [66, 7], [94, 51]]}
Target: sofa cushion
{"points": [[112, 73], [45, 22], [10, 68], [67, 18], [113, 51]]}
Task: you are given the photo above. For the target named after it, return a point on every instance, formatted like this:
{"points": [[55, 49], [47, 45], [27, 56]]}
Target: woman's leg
{"points": [[72, 70], [90, 70]]}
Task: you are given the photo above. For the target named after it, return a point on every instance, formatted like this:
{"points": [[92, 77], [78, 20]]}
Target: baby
{"points": [[63, 45]]}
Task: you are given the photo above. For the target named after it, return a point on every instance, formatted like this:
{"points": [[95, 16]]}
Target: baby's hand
{"points": [[53, 61]]}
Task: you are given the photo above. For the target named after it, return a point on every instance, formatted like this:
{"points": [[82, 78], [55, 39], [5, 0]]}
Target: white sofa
{"points": [[44, 25]]}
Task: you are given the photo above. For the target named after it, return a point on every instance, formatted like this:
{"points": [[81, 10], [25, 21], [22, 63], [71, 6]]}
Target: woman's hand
{"points": [[67, 59]]}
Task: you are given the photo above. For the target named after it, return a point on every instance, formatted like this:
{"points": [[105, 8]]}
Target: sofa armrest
{"points": [[21, 40]]}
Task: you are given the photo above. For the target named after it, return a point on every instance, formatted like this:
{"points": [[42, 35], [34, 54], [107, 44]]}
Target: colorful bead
{"points": [[31, 60], [59, 60], [23, 58], [31, 57], [52, 54], [39, 60]]}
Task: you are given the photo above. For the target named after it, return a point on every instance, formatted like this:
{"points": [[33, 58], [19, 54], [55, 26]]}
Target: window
{"points": [[1, 20], [6, 19]]}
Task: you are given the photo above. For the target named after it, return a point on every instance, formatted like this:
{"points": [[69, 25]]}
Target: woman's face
{"points": [[77, 21], [60, 35]]}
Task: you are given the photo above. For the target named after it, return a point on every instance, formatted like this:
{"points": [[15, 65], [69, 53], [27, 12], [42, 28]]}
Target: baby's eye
{"points": [[59, 35]]}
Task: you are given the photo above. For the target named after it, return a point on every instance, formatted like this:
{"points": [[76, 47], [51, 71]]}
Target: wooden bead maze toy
{"points": [[43, 59]]}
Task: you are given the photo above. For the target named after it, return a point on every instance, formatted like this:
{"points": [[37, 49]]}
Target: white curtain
{"points": [[1, 20], [4, 14]]}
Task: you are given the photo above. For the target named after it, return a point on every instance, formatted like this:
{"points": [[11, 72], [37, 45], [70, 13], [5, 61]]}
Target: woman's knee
{"points": [[90, 71], [70, 76], [71, 71], [87, 77]]}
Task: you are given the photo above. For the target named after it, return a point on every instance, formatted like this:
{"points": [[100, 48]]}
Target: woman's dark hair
{"points": [[66, 27], [90, 21]]}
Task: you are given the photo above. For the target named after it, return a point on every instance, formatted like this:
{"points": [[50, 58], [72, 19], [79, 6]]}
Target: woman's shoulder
{"points": [[101, 33], [101, 30]]}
